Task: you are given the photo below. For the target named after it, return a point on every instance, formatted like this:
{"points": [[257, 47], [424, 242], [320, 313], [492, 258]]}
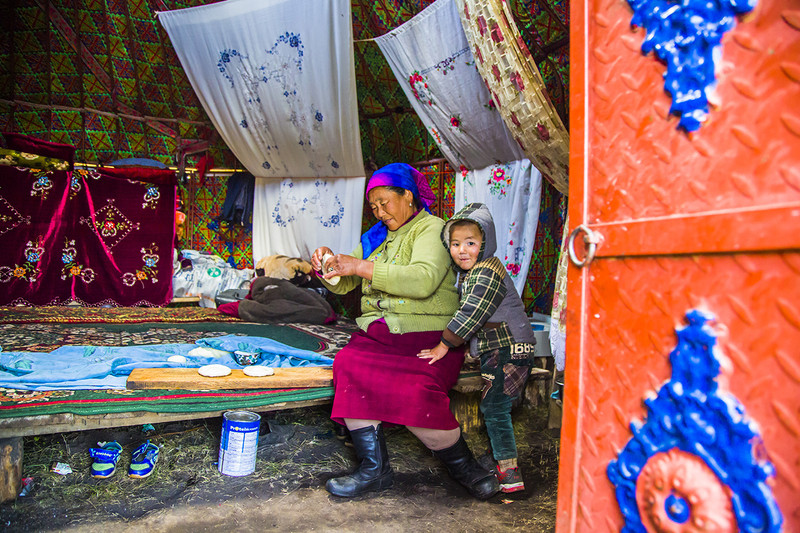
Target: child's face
{"points": [[465, 245]]}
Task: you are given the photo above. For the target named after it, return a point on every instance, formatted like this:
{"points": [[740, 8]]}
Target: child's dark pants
{"points": [[504, 377]]}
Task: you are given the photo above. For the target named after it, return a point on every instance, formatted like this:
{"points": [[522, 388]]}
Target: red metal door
{"points": [[709, 221]]}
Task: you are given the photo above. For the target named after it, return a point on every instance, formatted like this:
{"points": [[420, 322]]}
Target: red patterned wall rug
{"points": [[110, 315]]}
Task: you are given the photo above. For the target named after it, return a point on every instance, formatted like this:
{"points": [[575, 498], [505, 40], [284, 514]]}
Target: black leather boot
{"points": [[374, 472], [465, 469]]}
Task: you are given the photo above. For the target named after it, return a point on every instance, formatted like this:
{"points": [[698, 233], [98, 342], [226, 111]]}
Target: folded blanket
{"points": [[108, 367]]}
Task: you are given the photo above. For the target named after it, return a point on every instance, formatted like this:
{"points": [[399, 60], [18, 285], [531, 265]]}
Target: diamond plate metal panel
{"points": [[752, 134], [631, 332]]}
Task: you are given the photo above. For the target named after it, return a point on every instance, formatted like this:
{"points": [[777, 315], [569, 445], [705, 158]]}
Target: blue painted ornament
{"points": [[697, 461], [685, 35]]}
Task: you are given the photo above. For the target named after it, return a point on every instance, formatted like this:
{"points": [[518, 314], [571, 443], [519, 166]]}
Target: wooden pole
{"points": [[10, 468]]}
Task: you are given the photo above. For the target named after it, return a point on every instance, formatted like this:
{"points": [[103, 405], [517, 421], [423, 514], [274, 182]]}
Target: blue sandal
{"points": [[105, 459], [143, 460]]}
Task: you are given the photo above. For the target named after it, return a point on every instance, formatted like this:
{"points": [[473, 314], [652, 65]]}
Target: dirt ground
{"points": [[298, 451]]}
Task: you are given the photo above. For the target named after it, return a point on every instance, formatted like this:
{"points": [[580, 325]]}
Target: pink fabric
{"points": [[230, 308], [96, 236], [378, 376]]}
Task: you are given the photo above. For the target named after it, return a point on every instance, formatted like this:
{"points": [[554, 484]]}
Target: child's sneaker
{"points": [[143, 460], [510, 479], [105, 459]]}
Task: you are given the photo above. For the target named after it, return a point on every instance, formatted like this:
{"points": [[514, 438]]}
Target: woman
{"points": [[408, 298]]}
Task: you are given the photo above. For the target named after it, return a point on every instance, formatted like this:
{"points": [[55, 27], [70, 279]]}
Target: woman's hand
{"points": [[347, 265], [316, 257], [434, 354]]}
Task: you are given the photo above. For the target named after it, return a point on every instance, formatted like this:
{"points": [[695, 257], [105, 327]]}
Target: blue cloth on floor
{"points": [[108, 367]]}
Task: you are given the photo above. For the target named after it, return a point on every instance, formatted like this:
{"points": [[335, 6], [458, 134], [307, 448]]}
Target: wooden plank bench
{"points": [[465, 398]]}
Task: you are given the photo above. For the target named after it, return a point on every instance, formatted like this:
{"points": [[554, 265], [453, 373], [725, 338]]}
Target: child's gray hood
{"points": [[478, 213]]}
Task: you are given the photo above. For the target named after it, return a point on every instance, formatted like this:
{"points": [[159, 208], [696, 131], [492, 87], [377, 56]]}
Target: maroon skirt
{"points": [[378, 376]]}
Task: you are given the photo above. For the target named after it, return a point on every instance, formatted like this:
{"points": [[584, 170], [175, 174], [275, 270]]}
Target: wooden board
{"points": [[188, 378]]}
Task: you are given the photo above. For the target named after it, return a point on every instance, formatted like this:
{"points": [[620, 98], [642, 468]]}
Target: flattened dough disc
{"points": [[258, 371], [214, 371]]}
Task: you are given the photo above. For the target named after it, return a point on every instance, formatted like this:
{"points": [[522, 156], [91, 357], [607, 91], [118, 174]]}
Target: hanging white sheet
{"points": [[512, 192], [277, 80], [299, 215], [431, 59]]}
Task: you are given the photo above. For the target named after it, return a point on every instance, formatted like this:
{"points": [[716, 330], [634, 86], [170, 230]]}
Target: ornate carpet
{"points": [[110, 315], [46, 336]]}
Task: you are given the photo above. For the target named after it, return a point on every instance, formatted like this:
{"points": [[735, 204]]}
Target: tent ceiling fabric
{"points": [[102, 76]]}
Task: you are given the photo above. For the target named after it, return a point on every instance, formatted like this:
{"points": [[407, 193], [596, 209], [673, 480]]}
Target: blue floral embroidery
{"points": [[278, 219], [686, 37], [225, 57], [325, 207], [281, 69], [294, 41]]}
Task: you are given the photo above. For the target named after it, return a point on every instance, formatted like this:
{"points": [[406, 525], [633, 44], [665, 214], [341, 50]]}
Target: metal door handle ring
{"points": [[590, 239]]}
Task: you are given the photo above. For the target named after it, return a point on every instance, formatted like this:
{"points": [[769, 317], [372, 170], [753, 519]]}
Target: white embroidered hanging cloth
{"points": [[432, 61], [277, 80], [512, 192]]}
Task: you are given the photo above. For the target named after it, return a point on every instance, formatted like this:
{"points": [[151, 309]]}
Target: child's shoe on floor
{"points": [[143, 460], [510, 479], [105, 458]]}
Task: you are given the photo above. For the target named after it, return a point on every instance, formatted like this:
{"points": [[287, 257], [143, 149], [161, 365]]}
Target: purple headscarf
{"points": [[395, 175], [406, 177]]}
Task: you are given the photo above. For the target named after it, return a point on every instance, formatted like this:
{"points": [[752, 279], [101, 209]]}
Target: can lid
{"points": [[241, 416]]}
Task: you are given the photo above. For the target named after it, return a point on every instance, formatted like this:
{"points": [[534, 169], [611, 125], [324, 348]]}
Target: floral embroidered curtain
{"points": [[432, 61], [512, 192], [277, 80], [517, 87], [96, 237]]}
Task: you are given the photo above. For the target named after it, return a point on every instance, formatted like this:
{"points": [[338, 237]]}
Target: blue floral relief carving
{"points": [[694, 430], [686, 35]]}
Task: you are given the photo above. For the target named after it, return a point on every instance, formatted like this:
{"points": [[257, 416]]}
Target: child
{"points": [[492, 318]]}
